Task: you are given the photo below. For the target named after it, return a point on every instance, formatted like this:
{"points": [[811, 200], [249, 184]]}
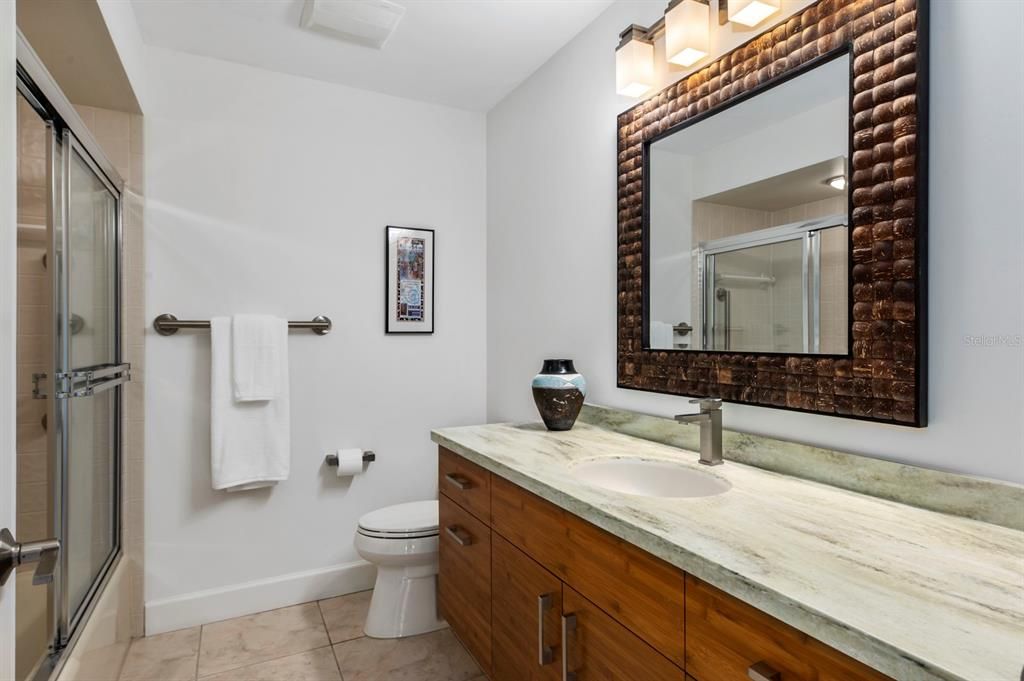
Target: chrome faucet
{"points": [[710, 420]]}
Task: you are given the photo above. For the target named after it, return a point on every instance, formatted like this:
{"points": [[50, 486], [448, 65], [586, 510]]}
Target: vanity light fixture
{"points": [[634, 62], [747, 12], [687, 31], [838, 182]]}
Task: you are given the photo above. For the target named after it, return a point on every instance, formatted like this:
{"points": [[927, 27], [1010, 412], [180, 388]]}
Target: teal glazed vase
{"points": [[558, 392]]}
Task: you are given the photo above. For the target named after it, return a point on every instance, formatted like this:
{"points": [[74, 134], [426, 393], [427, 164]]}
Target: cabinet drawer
{"points": [[725, 637], [465, 483], [464, 581], [642, 592], [600, 649]]}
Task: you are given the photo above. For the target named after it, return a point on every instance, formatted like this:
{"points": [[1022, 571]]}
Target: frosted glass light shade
{"points": [[634, 67], [752, 12], [687, 32]]}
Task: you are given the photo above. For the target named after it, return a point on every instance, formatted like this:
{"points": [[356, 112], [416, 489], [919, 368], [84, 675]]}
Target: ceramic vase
{"points": [[558, 392]]}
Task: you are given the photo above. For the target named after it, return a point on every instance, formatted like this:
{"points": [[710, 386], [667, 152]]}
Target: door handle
{"points": [[13, 554], [545, 654], [568, 626], [460, 481], [461, 537]]}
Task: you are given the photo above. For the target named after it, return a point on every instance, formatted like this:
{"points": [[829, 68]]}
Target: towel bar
{"points": [[168, 324]]}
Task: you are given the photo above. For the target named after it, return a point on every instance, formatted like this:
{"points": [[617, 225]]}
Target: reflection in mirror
{"points": [[748, 243]]}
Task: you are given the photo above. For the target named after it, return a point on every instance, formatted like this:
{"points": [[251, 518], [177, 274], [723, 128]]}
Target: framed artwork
{"points": [[409, 284]]}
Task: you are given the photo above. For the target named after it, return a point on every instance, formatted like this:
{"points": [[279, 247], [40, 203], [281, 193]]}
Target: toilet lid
{"points": [[418, 518]]}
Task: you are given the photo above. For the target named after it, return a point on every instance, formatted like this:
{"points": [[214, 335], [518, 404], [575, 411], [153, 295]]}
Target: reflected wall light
{"points": [[634, 62], [687, 31], [837, 182], [747, 12]]}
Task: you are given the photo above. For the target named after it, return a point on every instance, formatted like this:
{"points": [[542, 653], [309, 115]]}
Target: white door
{"points": [[8, 313]]}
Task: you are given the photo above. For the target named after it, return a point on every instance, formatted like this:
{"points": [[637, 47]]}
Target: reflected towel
{"points": [[249, 441], [259, 345], [662, 335]]}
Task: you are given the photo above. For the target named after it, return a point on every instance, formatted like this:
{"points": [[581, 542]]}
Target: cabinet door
{"points": [[526, 606], [464, 580], [597, 648]]}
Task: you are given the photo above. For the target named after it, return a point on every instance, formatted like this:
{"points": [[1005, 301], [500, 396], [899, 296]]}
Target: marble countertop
{"points": [[913, 593]]}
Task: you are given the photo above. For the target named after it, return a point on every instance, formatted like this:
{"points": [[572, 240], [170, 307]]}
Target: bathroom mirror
{"points": [[747, 271], [747, 223]]}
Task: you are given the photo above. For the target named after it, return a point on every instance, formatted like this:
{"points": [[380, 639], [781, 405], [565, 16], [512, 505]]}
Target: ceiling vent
{"points": [[365, 22]]}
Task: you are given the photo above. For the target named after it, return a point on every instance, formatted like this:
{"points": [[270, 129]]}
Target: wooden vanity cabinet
{"points": [[529, 587]]}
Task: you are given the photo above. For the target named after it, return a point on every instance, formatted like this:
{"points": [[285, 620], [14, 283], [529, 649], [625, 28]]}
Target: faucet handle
{"points": [[708, 403]]}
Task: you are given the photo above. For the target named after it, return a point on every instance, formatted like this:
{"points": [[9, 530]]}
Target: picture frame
{"points": [[408, 280]]}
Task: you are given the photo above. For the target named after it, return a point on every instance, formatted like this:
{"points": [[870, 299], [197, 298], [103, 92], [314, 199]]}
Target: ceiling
{"points": [[794, 188], [72, 41], [467, 54]]}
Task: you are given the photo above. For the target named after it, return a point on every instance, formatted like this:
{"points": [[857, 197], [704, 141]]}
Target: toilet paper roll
{"points": [[350, 462]]}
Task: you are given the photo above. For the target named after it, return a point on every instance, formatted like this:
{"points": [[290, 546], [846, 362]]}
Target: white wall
{"points": [[8, 314], [551, 174], [270, 193]]}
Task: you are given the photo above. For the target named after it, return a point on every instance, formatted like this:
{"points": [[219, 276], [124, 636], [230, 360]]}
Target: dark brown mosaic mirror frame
{"points": [[883, 376]]}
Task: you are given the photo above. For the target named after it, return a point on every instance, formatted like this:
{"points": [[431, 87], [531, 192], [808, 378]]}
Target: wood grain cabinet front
{"points": [[464, 578], [526, 609], [465, 483], [597, 648], [726, 639]]}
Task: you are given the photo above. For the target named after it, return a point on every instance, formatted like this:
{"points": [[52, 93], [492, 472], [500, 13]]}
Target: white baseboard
{"points": [[212, 605]]}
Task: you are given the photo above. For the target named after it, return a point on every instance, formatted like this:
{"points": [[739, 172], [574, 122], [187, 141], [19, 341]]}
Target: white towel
{"points": [[249, 443], [259, 344]]}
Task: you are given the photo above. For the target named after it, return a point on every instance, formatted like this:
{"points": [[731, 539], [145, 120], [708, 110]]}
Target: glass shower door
{"points": [[89, 373], [757, 303]]}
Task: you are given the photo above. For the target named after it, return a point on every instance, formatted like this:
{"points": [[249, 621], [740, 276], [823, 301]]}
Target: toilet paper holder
{"points": [[332, 459]]}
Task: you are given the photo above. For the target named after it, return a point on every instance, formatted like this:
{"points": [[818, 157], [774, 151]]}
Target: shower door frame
{"points": [[807, 230], [67, 134]]}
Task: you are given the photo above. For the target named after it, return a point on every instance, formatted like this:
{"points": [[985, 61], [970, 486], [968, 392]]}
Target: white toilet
{"points": [[401, 541]]}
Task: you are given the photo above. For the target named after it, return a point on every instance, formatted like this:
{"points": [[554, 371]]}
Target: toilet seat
{"points": [[414, 520]]}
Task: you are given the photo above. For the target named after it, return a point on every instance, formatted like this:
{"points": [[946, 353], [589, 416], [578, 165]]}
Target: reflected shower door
{"points": [[757, 302], [89, 360]]}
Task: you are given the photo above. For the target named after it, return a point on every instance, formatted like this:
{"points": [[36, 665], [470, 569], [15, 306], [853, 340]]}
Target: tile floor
{"points": [[321, 641]]}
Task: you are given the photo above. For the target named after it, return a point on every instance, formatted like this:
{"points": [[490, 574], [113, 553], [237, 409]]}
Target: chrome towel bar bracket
{"points": [[168, 324]]}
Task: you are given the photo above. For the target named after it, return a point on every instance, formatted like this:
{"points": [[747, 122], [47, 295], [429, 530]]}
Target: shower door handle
{"points": [[13, 554], [91, 380]]}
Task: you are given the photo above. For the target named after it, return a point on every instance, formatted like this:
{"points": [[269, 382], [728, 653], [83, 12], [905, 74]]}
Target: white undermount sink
{"points": [[647, 478]]}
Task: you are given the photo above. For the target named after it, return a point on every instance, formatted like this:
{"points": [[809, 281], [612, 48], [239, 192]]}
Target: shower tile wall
{"points": [[33, 347]]}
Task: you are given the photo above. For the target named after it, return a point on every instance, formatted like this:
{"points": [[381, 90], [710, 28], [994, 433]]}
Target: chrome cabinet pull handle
{"points": [[545, 654], [461, 537], [568, 625], [460, 481], [762, 671]]}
